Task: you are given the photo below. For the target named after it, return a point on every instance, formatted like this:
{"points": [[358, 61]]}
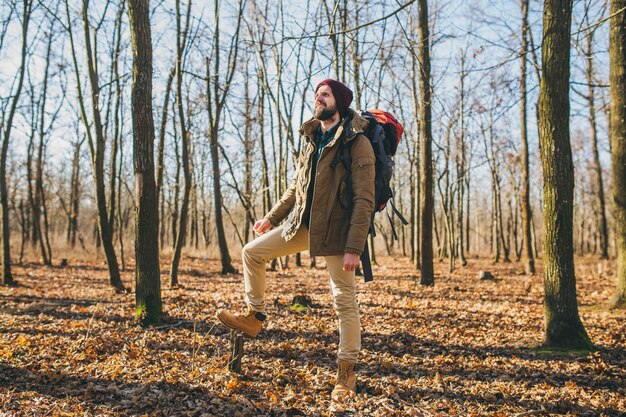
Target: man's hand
{"points": [[262, 226], [351, 261]]}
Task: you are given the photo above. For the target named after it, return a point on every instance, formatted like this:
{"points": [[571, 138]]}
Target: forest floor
{"points": [[69, 346]]}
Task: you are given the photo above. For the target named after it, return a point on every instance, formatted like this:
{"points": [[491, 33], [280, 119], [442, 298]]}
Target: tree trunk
{"points": [[563, 327], [529, 259], [617, 53], [217, 194], [175, 198], [148, 308], [461, 164], [216, 95], [72, 224], [427, 200], [161, 154], [415, 167], [119, 216], [7, 276], [115, 142], [181, 41], [604, 234], [24, 234], [96, 147]]}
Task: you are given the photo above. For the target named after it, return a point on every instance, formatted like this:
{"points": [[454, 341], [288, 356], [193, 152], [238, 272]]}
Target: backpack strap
{"points": [[397, 213], [368, 276], [393, 228]]}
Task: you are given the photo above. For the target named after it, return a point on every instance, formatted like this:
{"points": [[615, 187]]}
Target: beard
{"points": [[325, 113]]}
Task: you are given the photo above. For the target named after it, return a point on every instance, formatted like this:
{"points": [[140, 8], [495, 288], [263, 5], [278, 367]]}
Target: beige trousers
{"points": [[271, 245]]}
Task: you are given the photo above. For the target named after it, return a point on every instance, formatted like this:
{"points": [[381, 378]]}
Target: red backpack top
{"points": [[389, 122]]}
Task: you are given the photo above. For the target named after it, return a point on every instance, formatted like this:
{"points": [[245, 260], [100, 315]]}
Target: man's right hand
{"points": [[262, 226]]}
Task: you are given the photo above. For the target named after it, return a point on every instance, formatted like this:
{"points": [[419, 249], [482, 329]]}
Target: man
{"points": [[321, 219]]}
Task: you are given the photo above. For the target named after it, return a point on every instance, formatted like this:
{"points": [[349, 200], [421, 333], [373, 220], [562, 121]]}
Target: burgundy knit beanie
{"points": [[343, 95]]}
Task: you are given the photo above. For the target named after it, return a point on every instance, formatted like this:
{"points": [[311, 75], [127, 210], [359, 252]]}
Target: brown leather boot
{"points": [[250, 324], [346, 381]]}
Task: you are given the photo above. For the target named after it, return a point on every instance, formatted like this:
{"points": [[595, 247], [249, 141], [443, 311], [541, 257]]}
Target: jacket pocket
{"points": [[343, 196]]}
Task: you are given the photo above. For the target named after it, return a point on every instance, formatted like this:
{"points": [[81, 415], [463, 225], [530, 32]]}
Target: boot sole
{"points": [[248, 335]]}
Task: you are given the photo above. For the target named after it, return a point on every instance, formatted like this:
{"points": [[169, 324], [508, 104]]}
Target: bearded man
{"points": [[321, 218]]}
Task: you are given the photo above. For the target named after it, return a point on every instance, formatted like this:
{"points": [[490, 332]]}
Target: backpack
{"points": [[384, 132]]}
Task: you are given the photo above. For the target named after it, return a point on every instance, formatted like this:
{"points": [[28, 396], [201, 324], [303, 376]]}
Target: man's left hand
{"points": [[351, 261]]}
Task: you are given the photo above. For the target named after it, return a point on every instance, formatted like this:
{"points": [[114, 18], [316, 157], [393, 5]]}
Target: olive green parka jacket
{"points": [[332, 229]]}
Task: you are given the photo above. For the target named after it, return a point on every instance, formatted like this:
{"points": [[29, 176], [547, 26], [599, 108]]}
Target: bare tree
{"points": [[589, 73], [525, 192], [617, 52], [97, 144], [216, 95], [147, 274], [563, 327], [181, 44], [116, 108], [426, 160], [6, 126]]}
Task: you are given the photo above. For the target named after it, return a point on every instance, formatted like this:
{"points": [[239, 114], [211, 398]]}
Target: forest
{"points": [[141, 141]]}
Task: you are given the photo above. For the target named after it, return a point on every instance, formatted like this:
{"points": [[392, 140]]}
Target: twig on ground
{"points": [[529, 413]]}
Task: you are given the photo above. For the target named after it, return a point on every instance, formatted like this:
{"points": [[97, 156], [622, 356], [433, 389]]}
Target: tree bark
{"points": [[427, 199], [7, 124], [563, 327], [115, 142], [74, 203], [461, 166], [148, 308], [529, 259], [181, 41], [604, 233], [617, 132]]}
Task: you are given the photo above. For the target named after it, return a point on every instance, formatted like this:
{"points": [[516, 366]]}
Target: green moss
{"points": [[145, 317], [299, 308]]}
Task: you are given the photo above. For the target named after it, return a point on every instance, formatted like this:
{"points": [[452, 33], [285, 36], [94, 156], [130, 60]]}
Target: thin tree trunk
{"points": [[181, 41], [161, 145], [416, 151], [96, 147], [617, 132], [148, 308], [120, 222], [72, 224], [604, 234], [529, 259], [217, 93], [563, 327], [427, 200], [7, 124], [461, 170], [175, 198], [22, 220], [116, 117]]}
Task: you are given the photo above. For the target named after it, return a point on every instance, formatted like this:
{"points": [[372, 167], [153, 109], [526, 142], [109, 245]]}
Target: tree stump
{"points": [[236, 351], [485, 276]]}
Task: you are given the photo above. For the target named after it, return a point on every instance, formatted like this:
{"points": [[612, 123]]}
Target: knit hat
{"points": [[342, 94]]}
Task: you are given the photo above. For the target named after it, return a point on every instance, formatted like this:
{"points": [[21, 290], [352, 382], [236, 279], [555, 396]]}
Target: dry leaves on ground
{"points": [[69, 346]]}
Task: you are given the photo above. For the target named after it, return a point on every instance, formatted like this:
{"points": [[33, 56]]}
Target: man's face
{"points": [[325, 104]]}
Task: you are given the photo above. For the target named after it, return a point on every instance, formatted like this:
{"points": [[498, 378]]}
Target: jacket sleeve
{"points": [[363, 174], [282, 208]]}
